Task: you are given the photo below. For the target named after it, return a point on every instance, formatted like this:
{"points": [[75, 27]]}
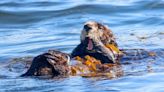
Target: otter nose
{"points": [[87, 28]]}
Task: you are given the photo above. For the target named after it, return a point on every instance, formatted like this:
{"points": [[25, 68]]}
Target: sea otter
{"points": [[97, 49], [99, 42]]}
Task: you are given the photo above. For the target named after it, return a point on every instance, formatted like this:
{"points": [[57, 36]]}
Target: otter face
{"points": [[94, 33], [90, 33]]}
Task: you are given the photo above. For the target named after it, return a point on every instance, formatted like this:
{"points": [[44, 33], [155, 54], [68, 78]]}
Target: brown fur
{"points": [[52, 63], [101, 36]]}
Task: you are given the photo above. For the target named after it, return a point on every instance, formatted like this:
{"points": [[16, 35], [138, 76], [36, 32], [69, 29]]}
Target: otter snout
{"points": [[87, 28]]}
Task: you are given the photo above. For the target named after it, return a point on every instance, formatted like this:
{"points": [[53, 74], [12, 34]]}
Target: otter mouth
{"points": [[90, 44]]}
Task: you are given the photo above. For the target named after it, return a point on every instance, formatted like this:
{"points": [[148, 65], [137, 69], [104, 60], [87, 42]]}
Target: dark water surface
{"points": [[31, 27]]}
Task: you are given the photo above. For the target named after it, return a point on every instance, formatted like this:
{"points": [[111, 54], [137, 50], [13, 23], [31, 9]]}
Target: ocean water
{"points": [[31, 27]]}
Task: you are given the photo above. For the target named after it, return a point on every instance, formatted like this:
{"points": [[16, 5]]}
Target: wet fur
{"points": [[101, 35], [52, 63]]}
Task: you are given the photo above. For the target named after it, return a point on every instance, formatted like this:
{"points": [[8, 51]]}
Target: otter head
{"points": [[95, 38], [94, 33]]}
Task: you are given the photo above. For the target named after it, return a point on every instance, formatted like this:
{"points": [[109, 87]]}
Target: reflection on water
{"points": [[28, 28]]}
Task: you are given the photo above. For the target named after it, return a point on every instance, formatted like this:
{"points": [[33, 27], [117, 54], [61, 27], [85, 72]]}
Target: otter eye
{"points": [[87, 28]]}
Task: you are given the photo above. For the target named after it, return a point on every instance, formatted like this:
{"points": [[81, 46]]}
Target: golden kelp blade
{"points": [[78, 58], [92, 59], [91, 67], [113, 47], [73, 71], [88, 63], [92, 63]]}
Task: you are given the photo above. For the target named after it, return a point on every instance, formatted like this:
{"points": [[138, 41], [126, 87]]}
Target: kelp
{"points": [[91, 67], [114, 48]]}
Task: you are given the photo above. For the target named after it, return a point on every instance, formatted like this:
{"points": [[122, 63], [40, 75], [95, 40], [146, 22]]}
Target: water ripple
{"points": [[32, 27]]}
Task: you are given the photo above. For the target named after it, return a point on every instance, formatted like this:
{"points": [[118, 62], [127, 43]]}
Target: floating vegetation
{"points": [[91, 67]]}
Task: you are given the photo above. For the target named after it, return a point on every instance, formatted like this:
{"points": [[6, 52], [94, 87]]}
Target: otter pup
{"points": [[95, 41]]}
